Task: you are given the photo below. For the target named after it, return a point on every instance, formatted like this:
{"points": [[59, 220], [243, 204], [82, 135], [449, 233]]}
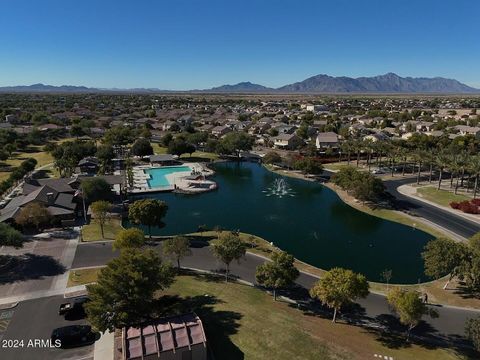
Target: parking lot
{"points": [[34, 320]]}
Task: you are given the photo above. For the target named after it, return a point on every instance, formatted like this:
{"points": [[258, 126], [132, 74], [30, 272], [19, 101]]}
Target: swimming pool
{"points": [[160, 176]]}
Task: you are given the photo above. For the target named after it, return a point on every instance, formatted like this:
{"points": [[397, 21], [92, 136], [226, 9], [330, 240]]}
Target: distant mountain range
{"points": [[388, 83]]}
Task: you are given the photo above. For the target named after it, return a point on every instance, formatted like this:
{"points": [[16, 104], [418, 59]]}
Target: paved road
{"points": [[450, 322], [445, 219], [35, 319]]}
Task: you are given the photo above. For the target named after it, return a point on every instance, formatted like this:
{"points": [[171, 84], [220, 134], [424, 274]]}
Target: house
{"points": [[468, 130], [425, 126], [313, 108], [287, 141], [57, 195], [219, 131], [327, 140], [175, 338], [374, 137], [89, 165]]}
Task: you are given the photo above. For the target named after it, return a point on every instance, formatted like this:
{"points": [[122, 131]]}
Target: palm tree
{"points": [[348, 147], [419, 155], [461, 162], [442, 161], [430, 160], [358, 148], [368, 146], [474, 165]]}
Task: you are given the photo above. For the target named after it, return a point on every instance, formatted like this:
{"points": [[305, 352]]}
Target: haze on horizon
{"points": [[194, 44]]}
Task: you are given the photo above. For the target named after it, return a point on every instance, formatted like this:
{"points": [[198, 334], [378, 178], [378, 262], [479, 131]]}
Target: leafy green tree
{"points": [[279, 273], [33, 215], [272, 157], [148, 212], [10, 236], [409, 306], [442, 257], [142, 147], [95, 189], [129, 239], [177, 247], [309, 165], [105, 155], [472, 330], [10, 148], [166, 139], [119, 135], [101, 209], [339, 287], [125, 290], [180, 146], [234, 142], [227, 248]]}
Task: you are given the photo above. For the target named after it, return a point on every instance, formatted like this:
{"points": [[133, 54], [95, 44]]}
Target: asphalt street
{"points": [[34, 320], [451, 321], [445, 219]]}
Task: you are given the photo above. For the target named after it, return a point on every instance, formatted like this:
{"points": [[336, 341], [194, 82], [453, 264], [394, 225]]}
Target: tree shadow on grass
{"points": [[219, 325], [29, 267]]}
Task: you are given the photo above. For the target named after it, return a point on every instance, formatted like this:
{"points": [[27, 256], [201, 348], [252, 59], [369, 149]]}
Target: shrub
{"points": [[455, 205], [476, 202]]}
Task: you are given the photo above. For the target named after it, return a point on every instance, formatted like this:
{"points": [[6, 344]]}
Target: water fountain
{"points": [[279, 188]]}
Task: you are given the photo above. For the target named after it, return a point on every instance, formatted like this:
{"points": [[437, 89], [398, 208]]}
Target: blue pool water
{"points": [[158, 175]]}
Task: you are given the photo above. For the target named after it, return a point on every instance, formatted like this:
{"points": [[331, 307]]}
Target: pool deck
{"points": [[178, 180]]}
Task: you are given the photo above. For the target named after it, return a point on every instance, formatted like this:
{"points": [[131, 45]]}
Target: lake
{"points": [[301, 217]]}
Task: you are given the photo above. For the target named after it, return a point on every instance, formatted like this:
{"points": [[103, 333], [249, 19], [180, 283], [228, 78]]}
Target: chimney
{"points": [[50, 198]]}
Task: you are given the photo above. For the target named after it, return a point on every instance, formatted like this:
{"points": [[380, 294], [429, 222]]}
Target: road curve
{"points": [[451, 321], [456, 224]]}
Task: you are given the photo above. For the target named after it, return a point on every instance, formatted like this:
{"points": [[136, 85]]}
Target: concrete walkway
{"points": [[410, 191], [104, 347]]}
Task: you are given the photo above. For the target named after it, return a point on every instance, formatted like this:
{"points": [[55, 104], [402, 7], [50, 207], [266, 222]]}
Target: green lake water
{"points": [[303, 218]]}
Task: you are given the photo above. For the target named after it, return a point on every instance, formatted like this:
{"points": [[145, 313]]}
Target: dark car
{"points": [[73, 335], [74, 307]]}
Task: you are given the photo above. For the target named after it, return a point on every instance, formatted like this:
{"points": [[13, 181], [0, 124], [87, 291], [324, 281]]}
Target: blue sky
{"points": [[187, 44]]}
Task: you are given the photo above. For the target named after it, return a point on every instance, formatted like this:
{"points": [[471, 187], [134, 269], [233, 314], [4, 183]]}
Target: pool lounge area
{"points": [[188, 178]]}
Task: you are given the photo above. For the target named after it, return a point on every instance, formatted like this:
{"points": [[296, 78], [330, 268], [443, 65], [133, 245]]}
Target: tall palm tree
{"points": [[474, 165], [419, 157], [461, 162], [368, 147], [442, 161], [348, 147]]}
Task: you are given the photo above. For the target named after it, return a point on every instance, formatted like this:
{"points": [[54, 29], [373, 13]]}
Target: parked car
{"points": [[73, 335], [378, 171], [74, 307]]}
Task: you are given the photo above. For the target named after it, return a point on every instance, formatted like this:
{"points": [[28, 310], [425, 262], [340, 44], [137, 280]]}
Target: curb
{"points": [[401, 190], [8, 306]]}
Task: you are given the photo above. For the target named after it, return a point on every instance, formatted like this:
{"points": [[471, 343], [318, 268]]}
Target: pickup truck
{"points": [[75, 306]]}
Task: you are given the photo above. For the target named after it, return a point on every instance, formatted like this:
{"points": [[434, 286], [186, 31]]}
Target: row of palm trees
{"points": [[461, 166]]}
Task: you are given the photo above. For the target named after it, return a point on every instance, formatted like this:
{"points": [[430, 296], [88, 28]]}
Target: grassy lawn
{"points": [[82, 277], [92, 231], [242, 322], [441, 197]]}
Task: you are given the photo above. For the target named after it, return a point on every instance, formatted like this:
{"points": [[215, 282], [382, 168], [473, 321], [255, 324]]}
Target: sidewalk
{"points": [[410, 191], [104, 347]]}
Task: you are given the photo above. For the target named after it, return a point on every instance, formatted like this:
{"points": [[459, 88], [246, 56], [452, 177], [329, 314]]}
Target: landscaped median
{"points": [[244, 322]]}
